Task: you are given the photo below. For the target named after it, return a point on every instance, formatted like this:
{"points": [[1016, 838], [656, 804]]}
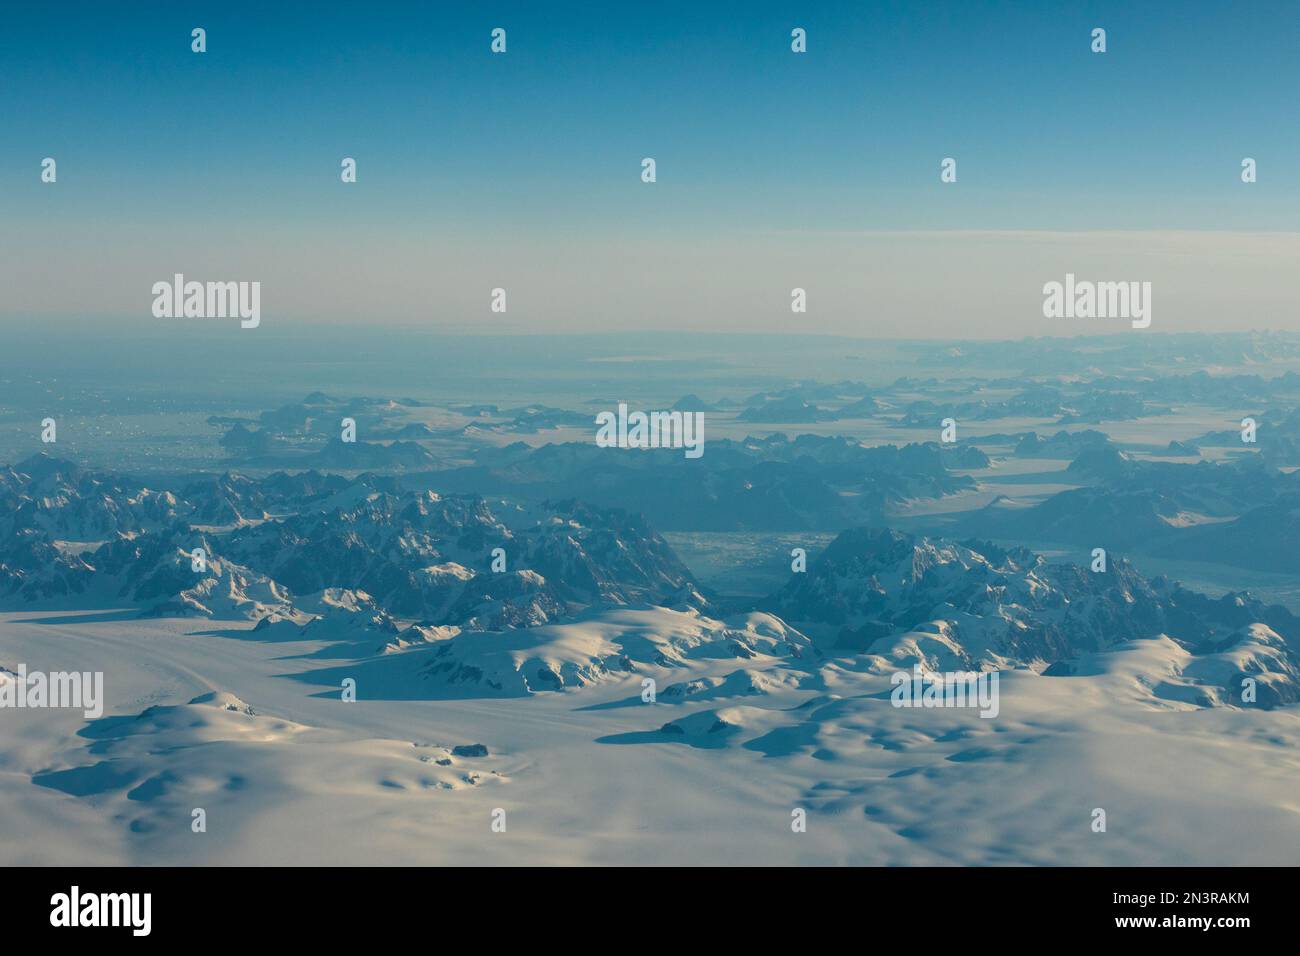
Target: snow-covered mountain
{"points": [[67, 502], [370, 566], [441, 560], [602, 646], [901, 599]]}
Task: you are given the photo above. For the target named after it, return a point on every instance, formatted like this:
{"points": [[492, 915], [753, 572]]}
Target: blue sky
{"points": [[242, 144]]}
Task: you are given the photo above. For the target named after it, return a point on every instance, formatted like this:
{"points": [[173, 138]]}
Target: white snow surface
{"points": [[747, 726]]}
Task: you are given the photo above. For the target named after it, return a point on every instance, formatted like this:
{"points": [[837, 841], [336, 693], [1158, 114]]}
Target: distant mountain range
{"points": [[773, 483], [1240, 513]]}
